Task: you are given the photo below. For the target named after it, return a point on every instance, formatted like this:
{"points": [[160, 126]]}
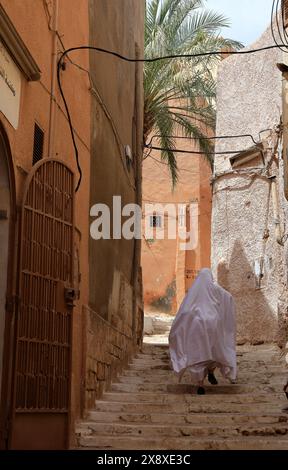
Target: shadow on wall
{"points": [[257, 321]]}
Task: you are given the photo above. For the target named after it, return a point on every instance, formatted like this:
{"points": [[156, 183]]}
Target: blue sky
{"points": [[248, 18]]}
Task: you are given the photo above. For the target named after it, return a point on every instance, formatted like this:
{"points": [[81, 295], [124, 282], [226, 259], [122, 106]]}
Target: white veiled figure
{"points": [[203, 334]]}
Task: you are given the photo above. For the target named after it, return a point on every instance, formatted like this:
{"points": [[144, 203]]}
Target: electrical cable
{"points": [[283, 36], [166, 57], [134, 60], [205, 138], [280, 46], [194, 152], [252, 177], [282, 18], [70, 124], [283, 22]]}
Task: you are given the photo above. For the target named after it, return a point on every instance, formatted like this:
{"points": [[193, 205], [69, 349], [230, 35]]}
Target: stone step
{"points": [[149, 357], [173, 378], [139, 364], [147, 409], [143, 359], [149, 362], [267, 352], [191, 389], [184, 443], [151, 367], [264, 357], [154, 374], [193, 407], [153, 353], [161, 328], [149, 430], [177, 419], [157, 339], [255, 355], [154, 347], [162, 398]]}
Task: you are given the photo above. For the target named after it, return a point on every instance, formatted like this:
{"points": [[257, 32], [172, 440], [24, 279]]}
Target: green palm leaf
{"points": [[180, 94]]}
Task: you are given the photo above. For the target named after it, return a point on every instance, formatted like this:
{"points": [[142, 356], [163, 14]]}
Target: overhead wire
{"points": [[133, 60], [283, 22], [167, 57], [274, 13], [278, 14], [195, 152], [155, 136]]}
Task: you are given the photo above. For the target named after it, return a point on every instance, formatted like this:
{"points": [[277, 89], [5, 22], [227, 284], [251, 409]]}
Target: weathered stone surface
{"points": [[246, 257], [108, 350], [182, 443], [152, 411]]}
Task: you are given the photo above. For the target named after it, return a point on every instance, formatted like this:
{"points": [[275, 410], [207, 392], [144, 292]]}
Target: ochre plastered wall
{"points": [[106, 114], [115, 308], [168, 271], [73, 28]]}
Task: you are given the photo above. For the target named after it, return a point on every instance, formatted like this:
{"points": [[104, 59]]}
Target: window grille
{"points": [[156, 221], [38, 144]]}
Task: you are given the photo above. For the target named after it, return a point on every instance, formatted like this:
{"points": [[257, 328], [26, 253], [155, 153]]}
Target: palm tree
{"points": [[180, 93]]}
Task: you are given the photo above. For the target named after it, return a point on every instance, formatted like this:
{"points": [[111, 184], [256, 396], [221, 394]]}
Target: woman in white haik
{"points": [[203, 334]]}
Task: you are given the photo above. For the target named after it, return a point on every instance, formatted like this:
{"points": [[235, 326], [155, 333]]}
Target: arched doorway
{"points": [[36, 304], [43, 328], [4, 241], [7, 278]]}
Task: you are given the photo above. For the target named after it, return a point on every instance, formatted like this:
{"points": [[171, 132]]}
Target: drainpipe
{"points": [[275, 201], [52, 117]]}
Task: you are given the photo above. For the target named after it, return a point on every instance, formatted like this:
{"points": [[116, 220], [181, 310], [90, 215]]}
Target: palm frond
{"points": [[180, 94]]}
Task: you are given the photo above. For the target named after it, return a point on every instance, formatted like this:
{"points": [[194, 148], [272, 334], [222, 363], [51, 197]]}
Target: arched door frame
{"points": [[43, 404], [10, 308]]}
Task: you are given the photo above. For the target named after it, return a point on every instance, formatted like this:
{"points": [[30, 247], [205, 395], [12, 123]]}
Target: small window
{"points": [[182, 216], [38, 144], [156, 221]]}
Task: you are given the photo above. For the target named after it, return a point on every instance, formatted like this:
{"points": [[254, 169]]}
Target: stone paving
{"points": [[147, 409]]}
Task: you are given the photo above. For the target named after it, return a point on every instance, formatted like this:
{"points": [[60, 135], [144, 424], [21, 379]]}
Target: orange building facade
{"points": [[62, 335], [168, 269]]}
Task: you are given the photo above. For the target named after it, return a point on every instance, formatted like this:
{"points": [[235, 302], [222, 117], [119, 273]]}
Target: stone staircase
{"points": [[148, 410]]}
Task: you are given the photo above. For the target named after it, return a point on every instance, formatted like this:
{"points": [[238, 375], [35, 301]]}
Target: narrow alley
{"points": [[147, 409], [143, 227]]}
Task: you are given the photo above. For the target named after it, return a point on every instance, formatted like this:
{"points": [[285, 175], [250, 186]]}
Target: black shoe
{"points": [[201, 391], [212, 379]]}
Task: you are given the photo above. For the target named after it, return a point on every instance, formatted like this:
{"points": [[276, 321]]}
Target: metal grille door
{"points": [[44, 321]]}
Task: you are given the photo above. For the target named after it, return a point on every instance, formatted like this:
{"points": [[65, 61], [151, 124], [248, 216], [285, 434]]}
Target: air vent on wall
{"points": [[285, 12], [38, 144]]}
